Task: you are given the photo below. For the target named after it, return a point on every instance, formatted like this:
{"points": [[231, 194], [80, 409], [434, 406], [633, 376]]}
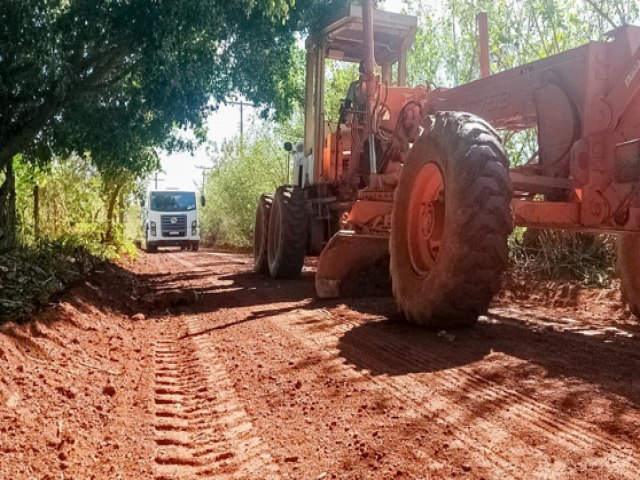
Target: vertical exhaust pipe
{"points": [[483, 44], [369, 78]]}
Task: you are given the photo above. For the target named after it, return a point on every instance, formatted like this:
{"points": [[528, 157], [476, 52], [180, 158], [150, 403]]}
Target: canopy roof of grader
{"points": [[343, 39]]}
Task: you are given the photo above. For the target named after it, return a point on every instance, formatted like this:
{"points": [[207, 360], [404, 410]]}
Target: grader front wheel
{"points": [[450, 222]]}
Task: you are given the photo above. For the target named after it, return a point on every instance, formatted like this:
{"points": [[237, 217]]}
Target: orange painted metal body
{"points": [[585, 105]]}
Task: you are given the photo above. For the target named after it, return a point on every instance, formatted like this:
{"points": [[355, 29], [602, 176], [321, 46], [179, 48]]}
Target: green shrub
{"points": [[564, 255], [72, 205], [31, 274], [243, 170]]}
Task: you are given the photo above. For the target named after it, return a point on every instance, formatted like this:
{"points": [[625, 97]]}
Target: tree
{"points": [[73, 70], [520, 31], [242, 171], [70, 199], [119, 176]]}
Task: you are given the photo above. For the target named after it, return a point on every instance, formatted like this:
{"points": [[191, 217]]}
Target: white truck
{"points": [[170, 218]]}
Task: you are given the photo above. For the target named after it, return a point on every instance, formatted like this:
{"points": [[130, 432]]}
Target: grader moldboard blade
{"points": [[354, 265]]}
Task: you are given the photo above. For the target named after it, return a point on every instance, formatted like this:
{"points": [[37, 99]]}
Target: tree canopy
{"points": [[520, 31], [115, 77], [109, 76]]}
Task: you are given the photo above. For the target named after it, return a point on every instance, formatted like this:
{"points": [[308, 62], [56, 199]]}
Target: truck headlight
{"points": [[194, 227], [153, 228]]}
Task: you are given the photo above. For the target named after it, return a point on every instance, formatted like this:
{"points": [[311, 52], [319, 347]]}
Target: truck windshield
{"points": [[173, 201]]}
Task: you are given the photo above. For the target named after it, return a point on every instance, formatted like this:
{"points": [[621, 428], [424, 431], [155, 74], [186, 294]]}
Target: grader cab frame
{"points": [[343, 40], [417, 179]]}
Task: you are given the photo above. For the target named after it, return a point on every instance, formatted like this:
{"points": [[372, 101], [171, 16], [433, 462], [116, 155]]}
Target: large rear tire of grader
{"points": [[260, 235], [628, 267], [450, 222], [287, 236]]}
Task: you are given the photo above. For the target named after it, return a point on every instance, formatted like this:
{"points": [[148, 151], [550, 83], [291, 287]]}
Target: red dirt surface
{"points": [[187, 365]]}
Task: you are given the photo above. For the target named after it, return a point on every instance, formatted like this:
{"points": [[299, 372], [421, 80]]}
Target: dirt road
{"points": [[225, 374]]}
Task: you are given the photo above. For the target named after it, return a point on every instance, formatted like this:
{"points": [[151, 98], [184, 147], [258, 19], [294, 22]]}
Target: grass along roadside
{"points": [[32, 274]]}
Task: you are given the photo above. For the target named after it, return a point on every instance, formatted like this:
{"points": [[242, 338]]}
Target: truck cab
{"points": [[170, 218]]}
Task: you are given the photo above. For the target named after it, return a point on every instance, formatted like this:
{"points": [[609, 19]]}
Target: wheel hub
{"points": [[426, 218]]}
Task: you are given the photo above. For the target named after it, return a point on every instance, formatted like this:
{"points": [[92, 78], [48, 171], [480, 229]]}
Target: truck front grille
{"points": [[173, 228]]}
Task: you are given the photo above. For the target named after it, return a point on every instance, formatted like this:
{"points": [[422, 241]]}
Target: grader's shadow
{"points": [[494, 349], [391, 347]]}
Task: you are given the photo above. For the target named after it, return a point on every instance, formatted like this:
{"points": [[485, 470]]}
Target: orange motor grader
{"points": [[416, 179]]}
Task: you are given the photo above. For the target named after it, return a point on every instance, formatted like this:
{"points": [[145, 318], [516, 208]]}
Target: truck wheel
{"points": [[628, 267], [195, 246], [450, 222], [287, 234], [260, 235], [151, 248]]}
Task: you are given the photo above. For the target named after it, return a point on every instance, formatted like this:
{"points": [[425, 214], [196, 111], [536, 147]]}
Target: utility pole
{"points": [[204, 171], [483, 44], [242, 104], [156, 179]]}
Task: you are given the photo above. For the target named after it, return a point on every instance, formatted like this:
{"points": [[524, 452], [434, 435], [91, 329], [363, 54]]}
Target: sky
{"points": [[180, 169]]}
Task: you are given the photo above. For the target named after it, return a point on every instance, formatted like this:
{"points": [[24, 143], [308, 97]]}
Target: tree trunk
{"points": [[108, 236], [8, 207], [36, 211], [121, 208]]}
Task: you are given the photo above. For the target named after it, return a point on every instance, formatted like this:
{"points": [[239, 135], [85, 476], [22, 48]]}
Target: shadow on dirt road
{"points": [[608, 362], [607, 358]]}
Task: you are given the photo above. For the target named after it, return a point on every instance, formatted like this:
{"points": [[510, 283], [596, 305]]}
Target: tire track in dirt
{"points": [[490, 460], [499, 439], [202, 431], [417, 406], [252, 458], [524, 415]]}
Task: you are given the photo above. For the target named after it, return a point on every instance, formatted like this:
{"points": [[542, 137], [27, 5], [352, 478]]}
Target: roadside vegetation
{"points": [[243, 169], [31, 274], [564, 256], [90, 91], [63, 212]]}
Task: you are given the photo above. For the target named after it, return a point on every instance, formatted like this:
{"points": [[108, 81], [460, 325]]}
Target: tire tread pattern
{"points": [[286, 258], [261, 234], [628, 269], [455, 294]]}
